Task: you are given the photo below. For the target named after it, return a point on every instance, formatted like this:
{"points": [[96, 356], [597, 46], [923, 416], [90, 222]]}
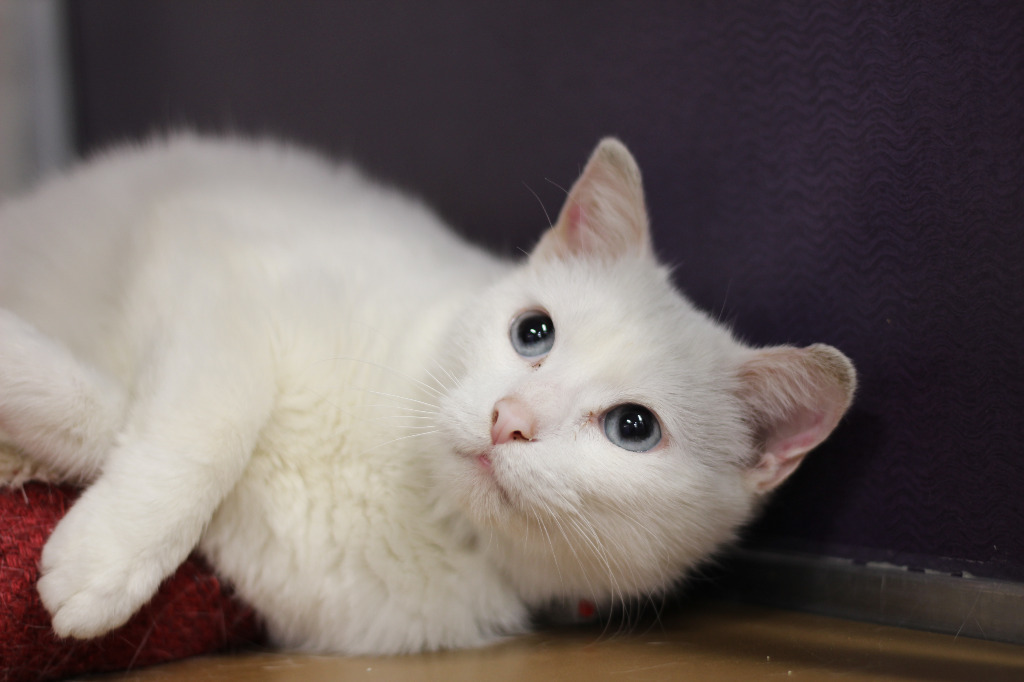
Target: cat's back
{"points": [[104, 210], [153, 218]]}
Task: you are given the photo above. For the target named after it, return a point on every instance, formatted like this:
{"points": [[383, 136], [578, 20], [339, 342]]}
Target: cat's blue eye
{"points": [[532, 334], [632, 427]]}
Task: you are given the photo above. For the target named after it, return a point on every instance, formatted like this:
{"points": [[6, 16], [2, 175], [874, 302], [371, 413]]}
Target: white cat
{"points": [[386, 439]]}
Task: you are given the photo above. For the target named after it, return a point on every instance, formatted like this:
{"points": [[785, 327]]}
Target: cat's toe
{"points": [[90, 583], [85, 602], [82, 614]]}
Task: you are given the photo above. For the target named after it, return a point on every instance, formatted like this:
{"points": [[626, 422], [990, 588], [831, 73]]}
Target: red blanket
{"points": [[193, 613]]}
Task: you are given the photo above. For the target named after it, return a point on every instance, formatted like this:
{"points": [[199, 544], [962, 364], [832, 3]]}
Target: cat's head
{"points": [[606, 435]]}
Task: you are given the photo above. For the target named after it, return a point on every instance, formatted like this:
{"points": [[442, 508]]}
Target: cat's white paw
{"points": [[92, 582]]}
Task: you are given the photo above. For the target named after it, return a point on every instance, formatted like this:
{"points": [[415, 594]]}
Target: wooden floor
{"points": [[706, 641]]}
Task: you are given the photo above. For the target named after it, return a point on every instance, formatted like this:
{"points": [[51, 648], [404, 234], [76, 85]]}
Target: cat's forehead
{"points": [[627, 320]]}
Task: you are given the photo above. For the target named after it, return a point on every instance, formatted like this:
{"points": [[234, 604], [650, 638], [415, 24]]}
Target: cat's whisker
{"points": [[653, 539], [413, 427], [378, 365], [615, 590], [392, 406], [655, 542], [656, 610], [455, 381], [589, 534], [430, 415], [442, 389], [578, 533], [725, 299], [397, 397], [400, 425], [323, 396], [572, 548], [402, 416], [552, 182], [554, 553], [526, 536], [542, 206], [395, 440]]}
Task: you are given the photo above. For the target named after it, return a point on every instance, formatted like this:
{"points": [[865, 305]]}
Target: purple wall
{"points": [[847, 172]]}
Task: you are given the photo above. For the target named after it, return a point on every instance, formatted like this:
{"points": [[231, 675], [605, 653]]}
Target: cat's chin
{"points": [[488, 482], [488, 479], [483, 494]]}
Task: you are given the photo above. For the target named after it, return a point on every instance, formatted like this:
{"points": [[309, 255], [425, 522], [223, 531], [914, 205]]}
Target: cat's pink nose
{"points": [[512, 420]]}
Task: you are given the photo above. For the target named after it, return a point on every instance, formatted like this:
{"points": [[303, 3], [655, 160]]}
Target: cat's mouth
{"points": [[485, 470]]}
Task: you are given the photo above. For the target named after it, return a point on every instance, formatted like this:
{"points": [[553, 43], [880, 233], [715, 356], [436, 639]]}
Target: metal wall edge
{"points": [[879, 593]]}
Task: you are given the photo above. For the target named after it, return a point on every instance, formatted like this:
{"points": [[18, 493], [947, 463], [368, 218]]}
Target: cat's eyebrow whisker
{"points": [[552, 182], [725, 299], [542, 206]]}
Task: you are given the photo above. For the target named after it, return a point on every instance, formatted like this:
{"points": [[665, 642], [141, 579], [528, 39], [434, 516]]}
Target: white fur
{"points": [[249, 350]]}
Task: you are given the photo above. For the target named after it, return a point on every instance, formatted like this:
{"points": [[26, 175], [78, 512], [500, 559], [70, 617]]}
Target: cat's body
{"points": [[243, 347]]}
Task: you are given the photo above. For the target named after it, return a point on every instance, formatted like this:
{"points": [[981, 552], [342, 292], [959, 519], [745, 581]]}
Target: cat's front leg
{"points": [[184, 449], [60, 411], [108, 555]]}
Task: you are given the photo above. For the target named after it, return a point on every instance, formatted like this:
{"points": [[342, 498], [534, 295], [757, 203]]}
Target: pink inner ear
{"points": [[796, 396], [575, 215], [785, 448], [576, 228], [604, 216]]}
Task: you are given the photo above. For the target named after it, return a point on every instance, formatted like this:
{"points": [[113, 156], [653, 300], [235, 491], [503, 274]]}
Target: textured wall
{"points": [[849, 172]]}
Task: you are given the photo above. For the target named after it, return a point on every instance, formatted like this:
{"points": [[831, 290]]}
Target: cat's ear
{"points": [[795, 397], [604, 216]]}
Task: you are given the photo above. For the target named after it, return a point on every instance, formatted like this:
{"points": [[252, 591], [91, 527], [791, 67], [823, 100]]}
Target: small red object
{"points": [[192, 613], [586, 609]]}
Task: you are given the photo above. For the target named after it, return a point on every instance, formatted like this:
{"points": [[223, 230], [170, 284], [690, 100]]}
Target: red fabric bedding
{"points": [[193, 613]]}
